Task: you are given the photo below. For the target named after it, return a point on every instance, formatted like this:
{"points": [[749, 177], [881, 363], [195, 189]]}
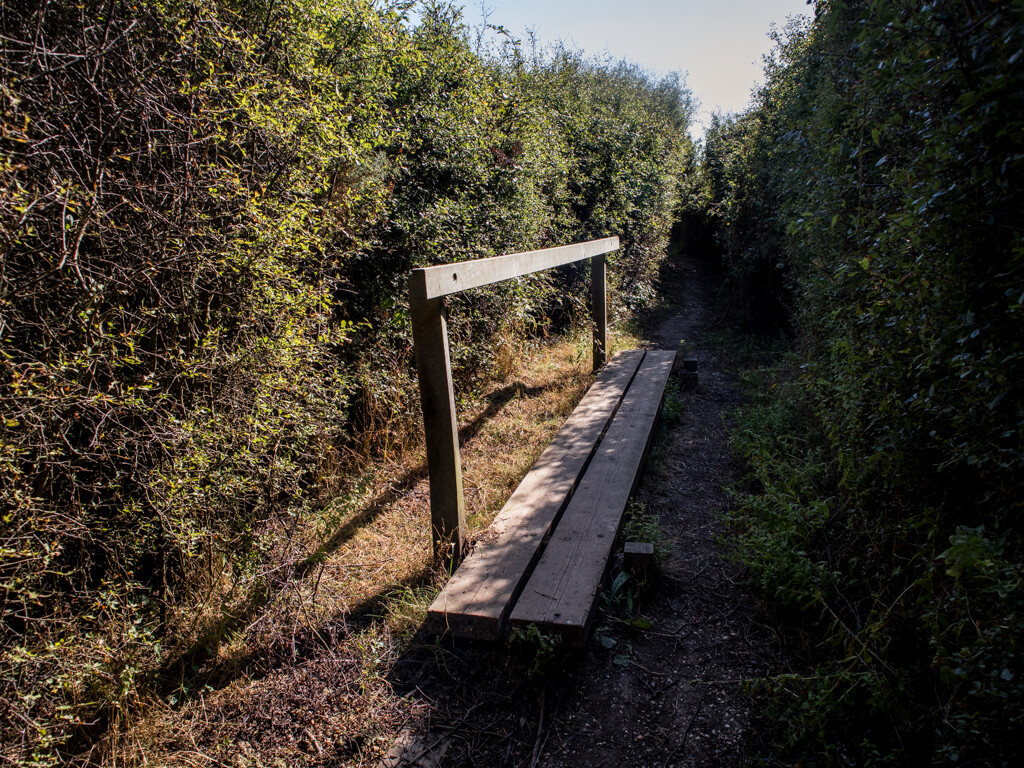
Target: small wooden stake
{"points": [[690, 376], [599, 308], [638, 558], [437, 395]]}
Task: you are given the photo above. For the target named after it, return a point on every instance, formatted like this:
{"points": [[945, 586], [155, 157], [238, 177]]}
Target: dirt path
{"points": [[662, 690]]}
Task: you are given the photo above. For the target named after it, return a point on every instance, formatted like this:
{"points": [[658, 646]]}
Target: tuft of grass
{"points": [[405, 609]]}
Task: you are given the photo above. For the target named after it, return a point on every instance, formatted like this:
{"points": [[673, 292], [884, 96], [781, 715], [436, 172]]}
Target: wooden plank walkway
{"points": [[600, 449], [561, 593], [477, 599]]}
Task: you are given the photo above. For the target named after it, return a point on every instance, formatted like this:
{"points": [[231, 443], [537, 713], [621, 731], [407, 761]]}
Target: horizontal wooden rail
{"points": [[427, 288], [434, 282]]}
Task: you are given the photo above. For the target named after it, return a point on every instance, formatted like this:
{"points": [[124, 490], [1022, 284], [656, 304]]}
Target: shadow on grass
{"points": [[488, 703], [495, 402], [198, 661]]}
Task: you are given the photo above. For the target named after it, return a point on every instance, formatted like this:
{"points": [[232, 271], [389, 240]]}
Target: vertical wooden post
{"points": [[599, 310], [433, 363]]}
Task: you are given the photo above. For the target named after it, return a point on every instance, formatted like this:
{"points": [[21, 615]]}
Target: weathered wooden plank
{"points": [[437, 395], [434, 282], [561, 593], [599, 309], [477, 599]]}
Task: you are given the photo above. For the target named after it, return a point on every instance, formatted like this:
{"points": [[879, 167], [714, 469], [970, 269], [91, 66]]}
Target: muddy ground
{"points": [[661, 681]]}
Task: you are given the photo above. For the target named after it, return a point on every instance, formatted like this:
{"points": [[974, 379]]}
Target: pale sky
{"points": [[716, 44]]}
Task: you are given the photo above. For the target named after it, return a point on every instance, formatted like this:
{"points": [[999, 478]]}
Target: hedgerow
{"points": [[875, 190], [209, 211]]}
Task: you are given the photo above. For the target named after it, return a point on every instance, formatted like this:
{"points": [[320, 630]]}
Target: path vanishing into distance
{"points": [[658, 685]]}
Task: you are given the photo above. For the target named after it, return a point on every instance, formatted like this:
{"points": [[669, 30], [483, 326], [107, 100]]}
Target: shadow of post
{"points": [[495, 402], [173, 672]]}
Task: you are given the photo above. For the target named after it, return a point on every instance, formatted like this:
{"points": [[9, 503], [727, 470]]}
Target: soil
{"points": [[660, 682]]}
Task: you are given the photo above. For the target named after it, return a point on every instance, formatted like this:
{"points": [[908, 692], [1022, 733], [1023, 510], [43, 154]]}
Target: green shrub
{"points": [[209, 213], [879, 173]]}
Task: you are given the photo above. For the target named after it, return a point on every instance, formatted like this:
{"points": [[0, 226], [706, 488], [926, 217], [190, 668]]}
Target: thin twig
{"points": [[689, 725], [649, 671], [538, 745]]}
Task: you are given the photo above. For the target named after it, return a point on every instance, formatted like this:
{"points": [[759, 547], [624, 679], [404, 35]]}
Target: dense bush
{"points": [[880, 173], [209, 211]]}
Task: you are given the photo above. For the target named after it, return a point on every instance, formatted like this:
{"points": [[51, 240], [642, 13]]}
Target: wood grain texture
{"points": [[477, 599], [434, 282], [437, 396], [561, 592], [599, 308]]}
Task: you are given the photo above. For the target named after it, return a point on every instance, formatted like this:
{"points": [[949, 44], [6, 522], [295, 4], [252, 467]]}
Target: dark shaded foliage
{"points": [[880, 175]]}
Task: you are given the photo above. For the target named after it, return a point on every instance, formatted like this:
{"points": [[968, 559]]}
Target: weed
{"points": [[674, 405], [624, 595], [643, 525], [540, 654]]}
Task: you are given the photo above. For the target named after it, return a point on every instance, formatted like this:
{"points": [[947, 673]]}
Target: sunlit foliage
{"points": [[209, 210]]}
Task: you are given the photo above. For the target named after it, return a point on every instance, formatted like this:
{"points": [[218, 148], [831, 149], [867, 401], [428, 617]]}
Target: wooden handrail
{"points": [[434, 282], [427, 288]]}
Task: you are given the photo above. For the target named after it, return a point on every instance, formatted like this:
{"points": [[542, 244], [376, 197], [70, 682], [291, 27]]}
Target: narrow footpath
{"points": [[661, 685]]}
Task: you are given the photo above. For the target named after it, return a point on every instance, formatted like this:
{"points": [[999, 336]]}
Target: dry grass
{"points": [[305, 681]]}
